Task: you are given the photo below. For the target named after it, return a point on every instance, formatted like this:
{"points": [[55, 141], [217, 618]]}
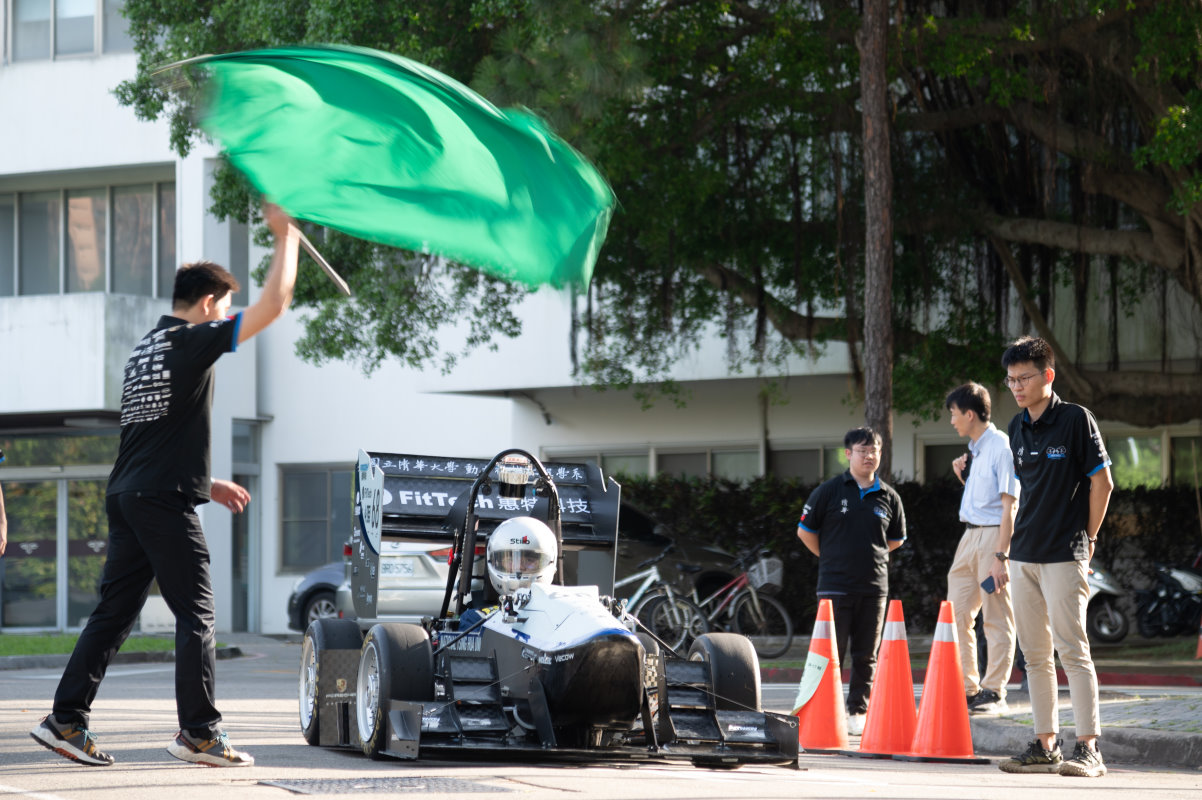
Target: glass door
{"points": [[87, 547], [29, 569]]}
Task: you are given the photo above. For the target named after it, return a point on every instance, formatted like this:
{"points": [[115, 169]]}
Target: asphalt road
{"points": [[134, 717]]}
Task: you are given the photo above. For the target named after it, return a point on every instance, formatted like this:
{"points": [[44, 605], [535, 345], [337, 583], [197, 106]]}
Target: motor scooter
{"points": [[1105, 620], [1173, 605]]}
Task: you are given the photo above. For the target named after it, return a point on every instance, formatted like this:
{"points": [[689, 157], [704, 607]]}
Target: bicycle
{"points": [[670, 617], [745, 605]]}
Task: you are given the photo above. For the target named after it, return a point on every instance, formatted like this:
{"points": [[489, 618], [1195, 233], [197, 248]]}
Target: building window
{"points": [[937, 461], [39, 234], [116, 29], [1185, 469], [86, 245], [74, 27], [316, 516], [682, 465], [801, 465], [133, 240], [93, 239], [735, 465], [8, 245], [166, 233], [70, 25]]}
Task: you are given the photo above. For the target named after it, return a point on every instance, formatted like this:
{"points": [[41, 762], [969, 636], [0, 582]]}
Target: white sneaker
{"points": [[855, 724]]}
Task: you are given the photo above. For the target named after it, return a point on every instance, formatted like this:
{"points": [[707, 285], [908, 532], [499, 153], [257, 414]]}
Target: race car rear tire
{"points": [[322, 636], [396, 662], [734, 668]]}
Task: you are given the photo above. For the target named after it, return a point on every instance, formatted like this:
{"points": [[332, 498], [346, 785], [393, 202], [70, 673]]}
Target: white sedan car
{"points": [[413, 580]]}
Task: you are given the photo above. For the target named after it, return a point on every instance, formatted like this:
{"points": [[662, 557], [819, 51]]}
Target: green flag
{"points": [[389, 150]]}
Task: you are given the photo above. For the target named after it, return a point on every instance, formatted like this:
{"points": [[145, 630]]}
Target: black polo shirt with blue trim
{"points": [[854, 528], [1054, 458]]}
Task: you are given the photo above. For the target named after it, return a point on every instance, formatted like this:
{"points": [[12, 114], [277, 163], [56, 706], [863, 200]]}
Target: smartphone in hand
{"points": [[989, 585]]}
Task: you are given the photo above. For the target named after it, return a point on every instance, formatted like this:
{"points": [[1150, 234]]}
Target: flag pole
{"points": [[325, 265]]}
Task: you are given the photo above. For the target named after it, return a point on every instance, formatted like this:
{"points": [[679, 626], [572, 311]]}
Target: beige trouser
{"points": [[974, 558], [1049, 609]]}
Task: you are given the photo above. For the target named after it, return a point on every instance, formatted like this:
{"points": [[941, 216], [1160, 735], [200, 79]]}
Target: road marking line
{"points": [[23, 793]]}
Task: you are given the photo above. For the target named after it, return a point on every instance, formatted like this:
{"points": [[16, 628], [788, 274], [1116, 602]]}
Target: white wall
{"points": [[62, 115]]}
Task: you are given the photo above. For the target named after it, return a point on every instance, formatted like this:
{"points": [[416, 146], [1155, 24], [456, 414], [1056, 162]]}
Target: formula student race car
{"points": [[534, 656]]}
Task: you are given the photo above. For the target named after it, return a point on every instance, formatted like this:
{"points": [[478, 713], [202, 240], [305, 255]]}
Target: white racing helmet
{"points": [[521, 551]]}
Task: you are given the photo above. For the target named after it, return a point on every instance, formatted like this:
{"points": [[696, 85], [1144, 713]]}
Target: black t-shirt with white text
{"points": [[1054, 458], [166, 405], [854, 529]]}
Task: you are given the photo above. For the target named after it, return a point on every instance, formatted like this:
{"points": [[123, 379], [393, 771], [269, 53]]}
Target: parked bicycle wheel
{"points": [[676, 621], [770, 629]]}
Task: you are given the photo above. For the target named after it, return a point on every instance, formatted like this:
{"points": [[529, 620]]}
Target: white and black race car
{"points": [[533, 656]]}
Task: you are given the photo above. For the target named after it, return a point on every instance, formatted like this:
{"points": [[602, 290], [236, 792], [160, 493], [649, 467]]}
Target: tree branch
{"points": [[1072, 377], [1137, 245]]}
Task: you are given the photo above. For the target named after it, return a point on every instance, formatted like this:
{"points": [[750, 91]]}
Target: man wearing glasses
{"points": [[852, 522], [1063, 470]]}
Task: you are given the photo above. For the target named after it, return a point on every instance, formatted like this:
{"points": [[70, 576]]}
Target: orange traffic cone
{"points": [[822, 718], [1199, 653], [942, 732], [889, 726]]}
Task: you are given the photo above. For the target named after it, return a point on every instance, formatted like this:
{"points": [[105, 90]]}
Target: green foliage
{"points": [[730, 133], [39, 644], [1143, 525]]}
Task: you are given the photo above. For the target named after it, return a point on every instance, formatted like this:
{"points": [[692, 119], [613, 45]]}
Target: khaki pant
{"points": [[974, 558], [1049, 609]]}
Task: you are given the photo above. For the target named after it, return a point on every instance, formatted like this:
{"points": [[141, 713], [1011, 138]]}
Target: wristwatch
{"points": [[1001, 556]]}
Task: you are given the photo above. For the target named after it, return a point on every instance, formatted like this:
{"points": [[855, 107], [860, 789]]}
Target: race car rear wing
{"points": [[414, 498]]}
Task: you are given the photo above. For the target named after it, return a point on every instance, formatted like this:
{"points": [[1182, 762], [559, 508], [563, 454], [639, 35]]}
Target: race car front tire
{"points": [[322, 636], [396, 662], [734, 669]]}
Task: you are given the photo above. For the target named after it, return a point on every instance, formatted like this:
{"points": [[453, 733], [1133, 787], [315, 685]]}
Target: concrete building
{"points": [[96, 212]]}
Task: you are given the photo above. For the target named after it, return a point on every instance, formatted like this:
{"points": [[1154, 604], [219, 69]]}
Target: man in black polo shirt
{"points": [[161, 474], [852, 522], [1063, 469]]}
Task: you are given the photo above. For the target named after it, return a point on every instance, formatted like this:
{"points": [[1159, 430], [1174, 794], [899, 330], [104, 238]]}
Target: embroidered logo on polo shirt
{"points": [[844, 509], [1057, 452], [880, 512]]}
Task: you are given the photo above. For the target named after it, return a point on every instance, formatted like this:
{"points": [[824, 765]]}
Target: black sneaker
{"points": [[215, 752], [1085, 763], [73, 741], [1034, 759], [987, 701]]}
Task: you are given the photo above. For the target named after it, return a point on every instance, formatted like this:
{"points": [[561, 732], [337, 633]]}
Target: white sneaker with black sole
{"points": [[70, 741]]}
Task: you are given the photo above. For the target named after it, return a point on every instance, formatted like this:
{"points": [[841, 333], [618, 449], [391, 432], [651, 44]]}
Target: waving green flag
{"points": [[389, 150]]}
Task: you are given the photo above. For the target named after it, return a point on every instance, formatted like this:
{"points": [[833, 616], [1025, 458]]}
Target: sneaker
{"points": [[987, 702], [1085, 763], [215, 752], [1035, 759], [855, 724], [73, 741]]}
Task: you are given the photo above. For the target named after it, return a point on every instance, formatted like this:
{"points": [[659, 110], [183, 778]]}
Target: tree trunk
{"points": [[878, 223]]}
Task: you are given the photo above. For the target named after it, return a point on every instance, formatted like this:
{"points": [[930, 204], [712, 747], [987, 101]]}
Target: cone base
{"points": [[823, 751], [943, 759]]}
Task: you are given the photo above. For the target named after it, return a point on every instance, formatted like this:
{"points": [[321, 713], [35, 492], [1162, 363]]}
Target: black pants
{"points": [[151, 535], [859, 620]]}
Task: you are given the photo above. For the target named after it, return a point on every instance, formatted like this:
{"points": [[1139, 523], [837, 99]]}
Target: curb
{"points": [[59, 660], [1142, 746]]}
